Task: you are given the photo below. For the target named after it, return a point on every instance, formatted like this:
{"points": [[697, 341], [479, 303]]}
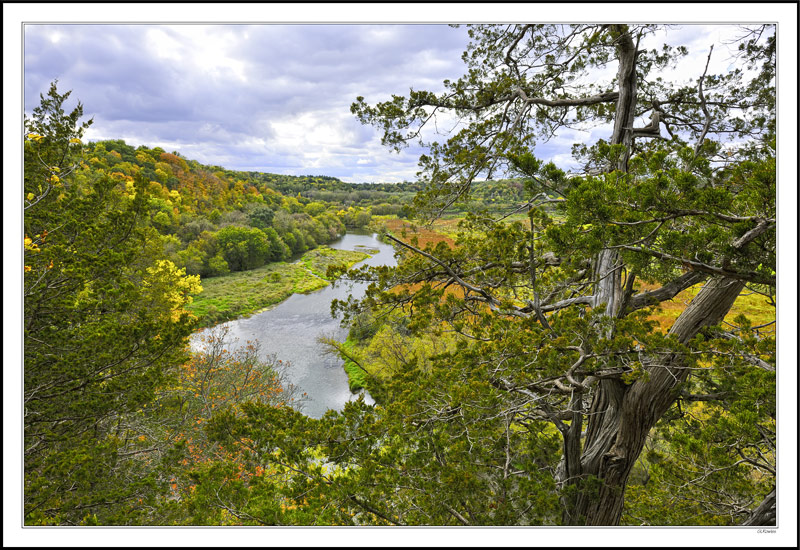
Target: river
{"points": [[290, 330]]}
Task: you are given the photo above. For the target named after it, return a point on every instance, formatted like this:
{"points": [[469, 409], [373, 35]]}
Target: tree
{"points": [[278, 250], [261, 216], [663, 211], [104, 326], [220, 376], [244, 247], [52, 147], [315, 208], [543, 411]]}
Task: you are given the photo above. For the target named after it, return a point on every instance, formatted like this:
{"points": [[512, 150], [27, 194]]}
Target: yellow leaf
{"points": [[31, 196]]}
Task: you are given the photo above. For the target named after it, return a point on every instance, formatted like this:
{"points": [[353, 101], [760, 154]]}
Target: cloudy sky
{"points": [[271, 97], [276, 98]]}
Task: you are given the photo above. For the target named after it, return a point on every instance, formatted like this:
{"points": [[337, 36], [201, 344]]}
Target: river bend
{"points": [[290, 331]]}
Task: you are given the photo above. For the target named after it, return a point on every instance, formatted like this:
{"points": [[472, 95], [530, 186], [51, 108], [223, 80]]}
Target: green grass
{"points": [[356, 377], [318, 260], [243, 293]]}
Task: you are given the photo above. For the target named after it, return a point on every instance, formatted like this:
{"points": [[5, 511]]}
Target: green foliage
{"points": [[261, 217], [377, 348], [244, 248], [278, 250], [104, 326], [355, 217], [520, 376], [356, 375], [217, 266], [525, 293], [423, 473], [52, 146], [712, 459]]}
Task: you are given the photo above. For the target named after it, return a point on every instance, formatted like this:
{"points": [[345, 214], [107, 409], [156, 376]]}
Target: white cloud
{"points": [[55, 37], [162, 45], [272, 96]]}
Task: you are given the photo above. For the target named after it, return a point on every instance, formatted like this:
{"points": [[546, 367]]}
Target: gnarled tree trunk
{"points": [[621, 415], [765, 514]]}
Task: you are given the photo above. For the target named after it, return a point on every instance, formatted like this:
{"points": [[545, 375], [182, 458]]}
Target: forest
{"points": [[556, 346]]}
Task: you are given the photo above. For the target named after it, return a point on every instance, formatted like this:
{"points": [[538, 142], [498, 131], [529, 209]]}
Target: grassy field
{"points": [[246, 292], [754, 306], [404, 230]]}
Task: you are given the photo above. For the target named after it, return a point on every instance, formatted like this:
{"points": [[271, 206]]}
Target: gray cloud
{"points": [[269, 97]]}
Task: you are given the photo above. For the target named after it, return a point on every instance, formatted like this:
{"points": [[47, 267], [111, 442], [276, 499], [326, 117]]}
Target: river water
{"points": [[290, 331]]}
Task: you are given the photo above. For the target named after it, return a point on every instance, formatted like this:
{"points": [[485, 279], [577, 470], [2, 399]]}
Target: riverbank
{"points": [[291, 330], [244, 293]]}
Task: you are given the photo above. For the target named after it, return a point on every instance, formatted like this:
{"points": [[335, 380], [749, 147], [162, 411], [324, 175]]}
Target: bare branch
{"points": [[666, 292], [703, 106], [604, 97], [762, 227]]}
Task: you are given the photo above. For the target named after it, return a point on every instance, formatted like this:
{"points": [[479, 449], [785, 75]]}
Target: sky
{"points": [[272, 98], [276, 98]]}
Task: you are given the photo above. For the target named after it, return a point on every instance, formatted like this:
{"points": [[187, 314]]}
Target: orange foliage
{"points": [[218, 378], [175, 161], [425, 236]]}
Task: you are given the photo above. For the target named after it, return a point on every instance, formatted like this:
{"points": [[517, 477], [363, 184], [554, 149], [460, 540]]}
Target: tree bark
{"points": [[765, 514], [626, 102], [605, 413], [622, 415]]}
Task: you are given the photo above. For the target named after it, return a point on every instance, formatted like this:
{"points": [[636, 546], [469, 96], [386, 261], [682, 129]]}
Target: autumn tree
{"points": [[220, 376], [562, 375]]}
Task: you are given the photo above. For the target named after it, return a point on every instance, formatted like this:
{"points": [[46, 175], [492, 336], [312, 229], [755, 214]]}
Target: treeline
{"points": [[381, 198], [277, 215], [213, 221]]}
